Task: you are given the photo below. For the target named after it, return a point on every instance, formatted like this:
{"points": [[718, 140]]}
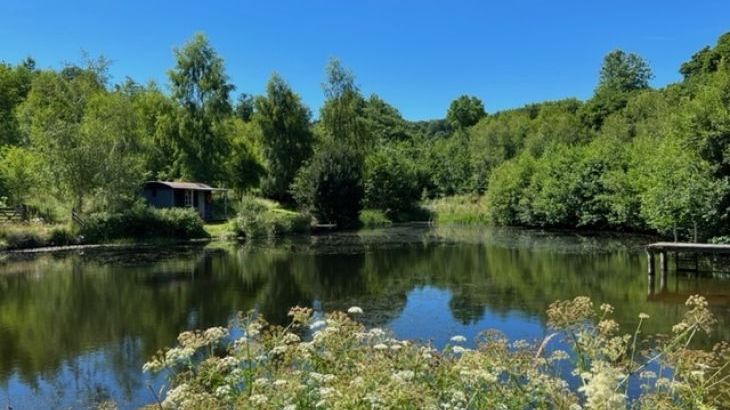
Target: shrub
{"points": [[257, 220], [331, 186], [339, 363], [143, 222], [390, 183], [507, 188], [374, 218]]}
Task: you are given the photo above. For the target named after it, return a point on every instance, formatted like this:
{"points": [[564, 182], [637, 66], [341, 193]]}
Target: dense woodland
{"points": [[629, 158]]}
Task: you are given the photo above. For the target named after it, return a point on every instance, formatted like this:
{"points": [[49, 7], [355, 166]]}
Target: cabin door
{"points": [[201, 204]]}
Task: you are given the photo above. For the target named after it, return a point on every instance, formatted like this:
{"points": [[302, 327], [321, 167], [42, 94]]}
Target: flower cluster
{"points": [[332, 361]]}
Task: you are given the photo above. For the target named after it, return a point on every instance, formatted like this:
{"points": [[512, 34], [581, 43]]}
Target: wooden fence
{"points": [[12, 214]]}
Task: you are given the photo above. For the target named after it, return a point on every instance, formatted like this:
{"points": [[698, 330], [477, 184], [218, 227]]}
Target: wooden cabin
{"points": [[168, 194]]}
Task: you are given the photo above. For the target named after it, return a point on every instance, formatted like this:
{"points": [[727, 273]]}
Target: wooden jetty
{"points": [[683, 252], [696, 249]]}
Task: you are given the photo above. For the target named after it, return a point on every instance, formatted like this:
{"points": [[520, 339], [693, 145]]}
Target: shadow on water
{"points": [[75, 328]]}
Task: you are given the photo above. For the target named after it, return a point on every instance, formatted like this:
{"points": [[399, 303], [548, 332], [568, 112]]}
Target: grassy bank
{"points": [[135, 225], [262, 218], [36, 235], [458, 209], [336, 362]]}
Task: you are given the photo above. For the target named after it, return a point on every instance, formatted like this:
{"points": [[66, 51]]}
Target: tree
{"points": [[331, 185], [622, 74], [678, 193], [20, 171], [110, 128], [465, 111], [384, 121], [52, 116], [200, 87], [244, 163], [15, 84], [159, 130], [245, 107], [285, 136], [343, 114], [390, 182]]}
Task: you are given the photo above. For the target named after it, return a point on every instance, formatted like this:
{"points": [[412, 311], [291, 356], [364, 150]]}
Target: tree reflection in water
{"points": [[76, 328]]}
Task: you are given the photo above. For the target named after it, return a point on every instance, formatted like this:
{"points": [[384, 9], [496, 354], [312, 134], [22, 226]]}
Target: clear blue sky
{"points": [[417, 55]]}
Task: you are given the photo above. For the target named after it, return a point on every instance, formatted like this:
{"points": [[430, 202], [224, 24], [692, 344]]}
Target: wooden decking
{"points": [[704, 248]]}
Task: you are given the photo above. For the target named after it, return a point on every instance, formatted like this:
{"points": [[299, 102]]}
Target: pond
{"points": [[76, 327]]}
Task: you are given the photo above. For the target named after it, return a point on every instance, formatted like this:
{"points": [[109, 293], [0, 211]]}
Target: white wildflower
{"points": [[380, 346], [403, 376], [317, 324], [258, 399], [223, 391], [458, 339], [355, 310]]}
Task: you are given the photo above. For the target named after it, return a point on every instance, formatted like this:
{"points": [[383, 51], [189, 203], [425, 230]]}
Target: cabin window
{"points": [[189, 198]]}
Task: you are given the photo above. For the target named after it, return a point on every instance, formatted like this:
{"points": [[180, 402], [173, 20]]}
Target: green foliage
{"points": [[390, 183], [373, 218], [244, 168], [201, 89], [331, 185], [343, 114], [285, 136], [256, 219], [143, 222], [506, 196], [20, 174], [622, 74], [465, 111], [15, 83]]}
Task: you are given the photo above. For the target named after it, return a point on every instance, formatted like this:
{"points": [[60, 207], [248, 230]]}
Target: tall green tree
{"points": [[286, 137], [52, 116], [465, 111], [343, 114], [622, 74], [15, 83], [200, 87]]}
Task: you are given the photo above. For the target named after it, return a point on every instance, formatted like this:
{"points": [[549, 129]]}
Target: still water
{"points": [[75, 328]]}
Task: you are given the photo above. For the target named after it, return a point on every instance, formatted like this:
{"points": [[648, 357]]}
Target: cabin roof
{"points": [[195, 186]]}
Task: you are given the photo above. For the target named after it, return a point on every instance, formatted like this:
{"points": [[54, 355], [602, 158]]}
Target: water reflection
{"points": [[76, 328]]}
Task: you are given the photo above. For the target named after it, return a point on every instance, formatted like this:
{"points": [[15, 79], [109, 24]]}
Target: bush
{"points": [[331, 186], [373, 218], [143, 222], [390, 183], [336, 362], [256, 219]]}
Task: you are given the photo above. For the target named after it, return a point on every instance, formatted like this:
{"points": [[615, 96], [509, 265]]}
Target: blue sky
{"points": [[417, 55]]}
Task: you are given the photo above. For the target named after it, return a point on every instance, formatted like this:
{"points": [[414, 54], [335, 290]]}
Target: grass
{"points": [[462, 209], [220, 229], [372, 218], [35, 235]]}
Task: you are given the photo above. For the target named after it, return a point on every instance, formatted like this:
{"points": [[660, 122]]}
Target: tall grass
{"points": [[458, 209]]}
